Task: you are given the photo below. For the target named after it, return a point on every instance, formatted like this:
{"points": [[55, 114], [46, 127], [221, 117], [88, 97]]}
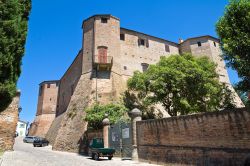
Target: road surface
{"points": [[25, 154]]}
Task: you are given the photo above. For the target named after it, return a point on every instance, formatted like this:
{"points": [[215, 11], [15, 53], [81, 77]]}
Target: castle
{"points": [[46, 108], [109, 56]]}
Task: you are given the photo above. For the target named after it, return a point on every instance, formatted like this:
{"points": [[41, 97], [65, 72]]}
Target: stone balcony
{"points": [[103, 62]]}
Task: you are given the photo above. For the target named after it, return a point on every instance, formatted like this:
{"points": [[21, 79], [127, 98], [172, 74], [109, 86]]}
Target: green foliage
{"points": [[13, 31], [183, 84], [131, 101], [96, 114], [234, 32], [243, 96]]}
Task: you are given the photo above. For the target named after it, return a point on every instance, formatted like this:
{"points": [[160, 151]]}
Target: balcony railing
{"points": [[103, 62]]}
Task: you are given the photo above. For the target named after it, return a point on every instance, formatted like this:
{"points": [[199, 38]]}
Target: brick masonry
{"points": [[46, 108], [85, 82], [8, 123], [218, 138]]}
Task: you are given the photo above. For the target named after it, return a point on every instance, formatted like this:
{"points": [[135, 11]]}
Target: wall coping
{"points": [[198, 115]]}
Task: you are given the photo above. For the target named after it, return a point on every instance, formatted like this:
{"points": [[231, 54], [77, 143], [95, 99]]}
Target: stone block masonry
{"points": [[218, 138], [8, 123]]}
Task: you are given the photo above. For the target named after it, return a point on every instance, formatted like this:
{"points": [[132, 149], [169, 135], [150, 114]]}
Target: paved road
{"points": [[26, 155]]}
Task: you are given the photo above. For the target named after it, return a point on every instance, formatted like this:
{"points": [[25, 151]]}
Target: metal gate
{"points": [[120, 138]]}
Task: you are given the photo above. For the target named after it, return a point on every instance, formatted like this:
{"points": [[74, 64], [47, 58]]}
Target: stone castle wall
{"points": [[217, 138], [46, 108], [71, 125], [8, 123], [47, 98], [132, 55], [41, 125], [68, 84], [83, 83]]}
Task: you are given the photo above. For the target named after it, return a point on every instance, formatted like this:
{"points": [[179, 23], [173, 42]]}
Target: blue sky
{"points": [[55, 34]]}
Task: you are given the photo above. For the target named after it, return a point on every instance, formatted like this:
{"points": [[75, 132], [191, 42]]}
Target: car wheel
{"points": [[96, 157], [110, 157]]}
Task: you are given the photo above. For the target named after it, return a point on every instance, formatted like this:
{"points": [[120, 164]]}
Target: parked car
{"points": [[29, 139], [96, 149], [40, 142]]}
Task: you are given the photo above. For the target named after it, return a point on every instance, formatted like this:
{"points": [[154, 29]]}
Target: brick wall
{"points": [[8, 122], [68, 83], [219, 138], [41, 125]]}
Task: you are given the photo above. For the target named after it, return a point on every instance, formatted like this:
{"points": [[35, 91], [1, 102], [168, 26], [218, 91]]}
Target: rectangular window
{"points": [[122, 36], [199, 44], [141, 42], [214, 44], [144, 67], [72, 90], [104, 20], [21, 125], [40, 90], [48, 86], [167, 48]]}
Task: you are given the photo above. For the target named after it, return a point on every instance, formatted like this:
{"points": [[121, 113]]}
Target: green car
{"points": [[96, 149]]}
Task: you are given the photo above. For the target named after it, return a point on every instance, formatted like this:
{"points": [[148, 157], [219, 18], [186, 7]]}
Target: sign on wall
{"points": [[125, 133]]}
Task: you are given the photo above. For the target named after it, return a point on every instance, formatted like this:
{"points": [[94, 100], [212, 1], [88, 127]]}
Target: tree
{"points": [[243, 96], [96, 114], [13, 31], [131, 101], [234, 32], [183, 84]]}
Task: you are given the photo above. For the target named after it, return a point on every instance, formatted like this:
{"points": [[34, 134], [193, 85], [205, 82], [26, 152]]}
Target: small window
{"points": [[199, 44], [72, 90], [122, 36], [141, 42], [48, 86], [21, 126], [144, 67], [167, 48], [125, 67], [104, 20], [214, 44], [40, 90]]}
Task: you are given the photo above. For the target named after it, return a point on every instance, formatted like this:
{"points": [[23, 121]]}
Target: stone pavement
{"points": [[25, 154]]}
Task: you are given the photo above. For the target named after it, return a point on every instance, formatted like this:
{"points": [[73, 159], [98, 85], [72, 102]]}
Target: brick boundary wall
{"points": [[217, 138], [8, 123]]}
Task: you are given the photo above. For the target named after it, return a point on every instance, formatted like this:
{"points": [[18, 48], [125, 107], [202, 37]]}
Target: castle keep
{"points": [[109, 56]]}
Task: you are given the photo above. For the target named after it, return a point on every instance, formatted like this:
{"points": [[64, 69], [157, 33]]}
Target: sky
{"points": [[55, 34]]}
